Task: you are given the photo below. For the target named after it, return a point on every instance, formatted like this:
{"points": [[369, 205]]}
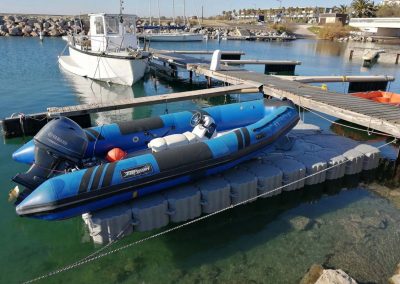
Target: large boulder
{"points": [[31, 22], [395, 279], [15, 31], [38, 26], [27, 30], [3, 28], [9, 18], [46, 25], [54, 32], [318, 275]]}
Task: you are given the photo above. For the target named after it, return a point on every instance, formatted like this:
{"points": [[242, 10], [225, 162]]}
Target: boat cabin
{"points": [[112, 32]]}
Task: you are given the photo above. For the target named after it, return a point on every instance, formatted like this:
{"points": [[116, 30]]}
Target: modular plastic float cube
{"points": [[149, 213], [371, 156], [336, 163], [293, 171], [215, 194], [107, 224], [243, 185], [183, 203], [269, 178], [315, 168], [356, 161]]}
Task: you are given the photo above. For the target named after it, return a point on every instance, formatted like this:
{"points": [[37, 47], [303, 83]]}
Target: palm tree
{"points": [[342, 9], [364, 8]]}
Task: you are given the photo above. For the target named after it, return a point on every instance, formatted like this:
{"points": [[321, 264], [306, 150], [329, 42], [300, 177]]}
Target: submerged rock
{"points": [[300, 223], [395, 279], [318, 275], [330, 276], [312, 274]]}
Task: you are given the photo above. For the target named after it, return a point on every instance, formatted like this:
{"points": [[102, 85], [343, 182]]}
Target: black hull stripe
{"points": [[239, 138], [84, 185], [97, 177], [74, 201], [89, 137], [246, 136], [95, 133], [109, 174]]}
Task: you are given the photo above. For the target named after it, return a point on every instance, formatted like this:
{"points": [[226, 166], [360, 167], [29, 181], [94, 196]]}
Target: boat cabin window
{"points": [[98, 22], [129, 24], [112, 25]]}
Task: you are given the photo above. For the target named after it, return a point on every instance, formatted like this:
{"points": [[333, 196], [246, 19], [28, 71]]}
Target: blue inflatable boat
{"points": [[70, 175]]}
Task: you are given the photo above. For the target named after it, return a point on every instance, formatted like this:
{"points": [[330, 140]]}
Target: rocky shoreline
{"points": [[56, 26], [32, 26]]}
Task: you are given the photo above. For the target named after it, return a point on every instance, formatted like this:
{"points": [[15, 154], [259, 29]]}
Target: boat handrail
{"points": [[83, 42]]}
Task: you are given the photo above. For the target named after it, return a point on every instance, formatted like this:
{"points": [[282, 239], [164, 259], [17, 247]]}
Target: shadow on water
{"points": [[252, 225]]}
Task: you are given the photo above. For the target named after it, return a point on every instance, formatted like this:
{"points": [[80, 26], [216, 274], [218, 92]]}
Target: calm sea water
{"points": [[339, 224]]}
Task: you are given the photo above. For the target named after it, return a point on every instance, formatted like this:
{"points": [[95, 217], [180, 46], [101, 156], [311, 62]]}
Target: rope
{"points": [[348, 126], [98, 256]]}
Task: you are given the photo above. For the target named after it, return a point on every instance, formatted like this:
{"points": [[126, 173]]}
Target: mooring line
{"points": [[97, 256]]}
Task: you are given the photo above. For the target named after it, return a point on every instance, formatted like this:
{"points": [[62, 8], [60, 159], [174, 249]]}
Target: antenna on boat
{"points": [[121, 9]]}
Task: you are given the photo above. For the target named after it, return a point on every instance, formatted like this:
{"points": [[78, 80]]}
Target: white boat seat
{"points": [[172, 141]]}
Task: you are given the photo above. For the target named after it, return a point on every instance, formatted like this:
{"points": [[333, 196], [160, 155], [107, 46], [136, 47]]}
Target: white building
{"points": [[378, 26], [391, 2]]}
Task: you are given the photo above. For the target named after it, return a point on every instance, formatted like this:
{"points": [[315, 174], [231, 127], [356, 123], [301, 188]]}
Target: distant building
{"points": [[332, 18], [391, 2], [378, 26]]}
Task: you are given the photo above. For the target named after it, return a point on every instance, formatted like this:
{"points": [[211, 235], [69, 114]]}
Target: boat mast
{"points": [[121, 9], [150, 13], [173, 11], [159, 16], [184, 11]]}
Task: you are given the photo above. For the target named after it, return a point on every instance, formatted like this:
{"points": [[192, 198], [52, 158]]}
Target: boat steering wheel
{"points": [[196, 119]]}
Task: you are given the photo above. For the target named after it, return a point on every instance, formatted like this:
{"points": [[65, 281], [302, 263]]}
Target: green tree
{"points": [[364, 8], [342, 9]]}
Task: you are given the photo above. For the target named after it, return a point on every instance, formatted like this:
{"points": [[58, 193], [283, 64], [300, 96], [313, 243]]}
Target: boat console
{"points": [[204, 129]]}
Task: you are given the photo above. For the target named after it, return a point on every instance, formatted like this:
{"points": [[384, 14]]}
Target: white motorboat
{"points": [[172, 37], [110, 53]]}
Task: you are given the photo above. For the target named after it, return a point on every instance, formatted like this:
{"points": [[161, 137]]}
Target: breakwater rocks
{"points": [[32, 26]]}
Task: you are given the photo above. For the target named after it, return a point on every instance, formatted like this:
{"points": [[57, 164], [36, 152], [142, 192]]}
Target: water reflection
{"points": [[329, 48], [94, 92]]}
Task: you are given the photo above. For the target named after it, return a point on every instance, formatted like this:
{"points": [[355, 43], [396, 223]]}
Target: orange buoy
{"points": [[115, 154]]}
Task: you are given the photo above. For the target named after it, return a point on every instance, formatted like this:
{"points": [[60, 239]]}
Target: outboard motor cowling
{"points": [[60, 145]]}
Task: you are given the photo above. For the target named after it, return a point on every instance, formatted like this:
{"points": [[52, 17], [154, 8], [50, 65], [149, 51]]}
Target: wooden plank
{"points": [[337, 79], [262, 62], [134, 102], [351, 116]]}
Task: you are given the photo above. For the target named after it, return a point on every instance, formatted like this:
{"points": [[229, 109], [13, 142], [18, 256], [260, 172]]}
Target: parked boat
{"points": [[110, 53], [171, 37], [370, 57], [380, 97], [72, 173]]}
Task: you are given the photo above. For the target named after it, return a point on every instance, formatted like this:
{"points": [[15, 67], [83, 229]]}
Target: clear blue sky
{"points": [[193, 7]]}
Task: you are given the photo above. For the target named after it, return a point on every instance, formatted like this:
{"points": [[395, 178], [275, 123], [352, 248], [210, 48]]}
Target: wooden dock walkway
{"points": [[381, 117], [150, 100]]}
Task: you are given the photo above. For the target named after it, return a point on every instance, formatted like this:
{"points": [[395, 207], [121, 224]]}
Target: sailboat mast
{"points": [[150, 12], [159, 16], [173, 11], [184, 11]]}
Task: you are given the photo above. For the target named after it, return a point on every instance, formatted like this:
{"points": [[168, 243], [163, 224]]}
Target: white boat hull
{"points": [[112, 69], [172, 37]]}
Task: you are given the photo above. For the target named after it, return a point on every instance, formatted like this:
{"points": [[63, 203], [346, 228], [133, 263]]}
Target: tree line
{"points": [[357, 9]]}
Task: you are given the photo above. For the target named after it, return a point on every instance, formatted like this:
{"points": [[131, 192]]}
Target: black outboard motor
{"points": [[59, 145]]}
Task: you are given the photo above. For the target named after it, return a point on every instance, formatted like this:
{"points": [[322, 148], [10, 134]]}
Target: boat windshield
{"points": [[112, 25], [129, 24]]}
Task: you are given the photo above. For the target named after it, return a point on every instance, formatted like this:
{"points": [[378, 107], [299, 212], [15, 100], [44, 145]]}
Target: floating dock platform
{"points": [[313, 158]]}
